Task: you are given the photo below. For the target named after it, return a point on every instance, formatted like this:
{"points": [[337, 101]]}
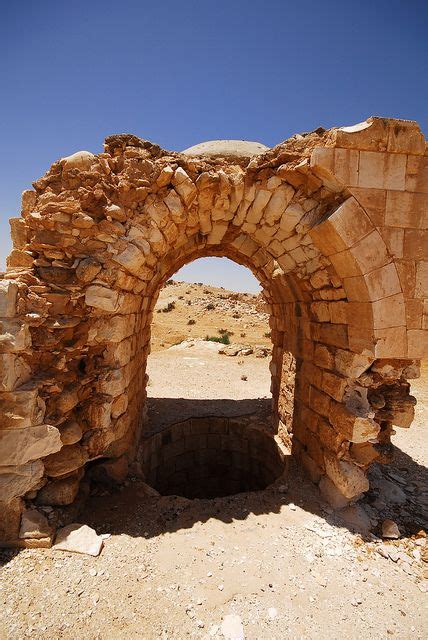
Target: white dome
{"points": [[227, 148]]}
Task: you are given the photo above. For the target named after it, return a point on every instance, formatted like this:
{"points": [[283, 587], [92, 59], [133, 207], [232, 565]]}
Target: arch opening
{"points": [[212, 419]]}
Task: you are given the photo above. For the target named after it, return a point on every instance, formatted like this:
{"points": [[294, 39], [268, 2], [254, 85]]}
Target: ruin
{"points": [[332, 223]]}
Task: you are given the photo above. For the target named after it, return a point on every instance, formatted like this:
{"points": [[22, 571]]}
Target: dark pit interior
{"points": [[212, 457]]}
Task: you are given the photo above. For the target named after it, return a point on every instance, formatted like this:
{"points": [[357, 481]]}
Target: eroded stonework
{"points": [[333, 225]]}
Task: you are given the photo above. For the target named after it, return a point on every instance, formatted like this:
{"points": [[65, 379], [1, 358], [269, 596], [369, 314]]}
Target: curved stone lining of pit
{"points": [[213, 457]]}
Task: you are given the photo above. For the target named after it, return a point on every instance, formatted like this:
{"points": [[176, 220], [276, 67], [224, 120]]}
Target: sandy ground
{"points": [[280, 559]]}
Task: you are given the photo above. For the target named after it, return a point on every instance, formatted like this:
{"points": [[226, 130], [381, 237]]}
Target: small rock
{"points": [[78, 538], [390, 530], [34, 525], [272, 613], [231, 628], [244, 377]]}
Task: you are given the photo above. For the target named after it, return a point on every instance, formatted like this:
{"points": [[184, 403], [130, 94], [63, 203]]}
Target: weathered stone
{"points": [[8, 297], [348, 478], [70, 432], [88, 269], [390, 530], [34, 525], [17, 481], [18, 446], [10, 519], [132, 259], [103, 298], [69, 458], [78, 538], [60, 492]]}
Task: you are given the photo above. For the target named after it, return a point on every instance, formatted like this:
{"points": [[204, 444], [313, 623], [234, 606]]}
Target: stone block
{"points": [[417, 343], [17, 481], [355, 428], [370, 135], [391, 342], [348, 478], [14, 371], [68, 459], [406, 210], [389, 312], [352, 364], [417, 174], [18, 446], [421, 284], [8, 298], [34, 525], [14, 336], [10, 519], [331, 494], [21, 408]]}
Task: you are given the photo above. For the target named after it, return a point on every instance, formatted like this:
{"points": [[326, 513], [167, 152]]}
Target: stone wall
{"points": [[333, 225]]}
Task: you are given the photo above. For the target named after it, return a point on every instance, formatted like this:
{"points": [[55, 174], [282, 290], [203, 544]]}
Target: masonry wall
{"points": [[333, 224]]}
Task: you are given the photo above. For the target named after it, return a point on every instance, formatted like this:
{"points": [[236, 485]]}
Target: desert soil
{"points": [[279, 559]]}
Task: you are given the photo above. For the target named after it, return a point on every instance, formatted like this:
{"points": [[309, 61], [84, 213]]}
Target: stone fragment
{"points": [[103, 298], [348, 477], [69, 458], [390, 530], [8, 297], [70, 432], [17, 481], [331, 493], [18, 446], [88, 269], [231, 627], [132, 259], [10, 519], [78, 538], [60, 492], [34, 525]]}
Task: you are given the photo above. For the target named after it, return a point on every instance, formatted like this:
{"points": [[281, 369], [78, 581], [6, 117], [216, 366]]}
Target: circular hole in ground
{"points": [[212, 458]]}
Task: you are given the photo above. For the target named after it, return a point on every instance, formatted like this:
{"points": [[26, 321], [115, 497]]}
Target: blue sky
{"points": [[178, 73]]}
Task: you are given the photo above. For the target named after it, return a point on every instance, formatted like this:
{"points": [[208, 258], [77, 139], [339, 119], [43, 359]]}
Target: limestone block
{"points": [[165, 176], [417, 343], [119, 406], [28, 200], [18, 446], [34, 525], [116, 212], [277, 204], [184, 186], [421, 286], [79, 538], [111, 329], [68, 459], [372, 134], [354, 427], [114, 382], [132, 259], [415, 244], [103, 298], [14, 371], [10, 519], [67, 399], [345, 167], [70, 432], [291, 218], [87, 270], [406, 210], [60, 492], [175, 205], [417, 174], [81, 160], [342, 229], [347, 477], [331, 494], [14, 336], [21, 408], [405, 136], [351, 364], [217, 234], [8, 298], [389, 312], [391, 342], [17, 481], [261, 199], [382, 170]]}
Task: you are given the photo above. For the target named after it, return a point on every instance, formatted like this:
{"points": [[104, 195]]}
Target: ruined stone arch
{"points": [[331, 223]]}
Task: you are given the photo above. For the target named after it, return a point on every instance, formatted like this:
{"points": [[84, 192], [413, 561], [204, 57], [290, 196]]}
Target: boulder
{"points": [[18, 446], [34, 525]]}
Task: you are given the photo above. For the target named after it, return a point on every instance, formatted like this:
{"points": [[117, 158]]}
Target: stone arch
{"points": [[98, 236]]}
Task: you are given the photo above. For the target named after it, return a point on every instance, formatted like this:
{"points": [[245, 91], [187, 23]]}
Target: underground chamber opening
{"points": [[213, 457]]}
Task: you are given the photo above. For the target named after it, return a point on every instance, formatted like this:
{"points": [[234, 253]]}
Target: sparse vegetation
{"points": [[191, 321], [169, 307], [210, 306], [223, 339]]}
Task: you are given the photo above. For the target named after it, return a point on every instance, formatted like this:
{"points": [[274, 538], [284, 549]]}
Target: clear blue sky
{"points": [[178, 73]]}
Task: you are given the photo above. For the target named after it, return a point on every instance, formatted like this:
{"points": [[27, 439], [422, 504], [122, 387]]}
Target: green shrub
{"points": [[223, 339]]}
